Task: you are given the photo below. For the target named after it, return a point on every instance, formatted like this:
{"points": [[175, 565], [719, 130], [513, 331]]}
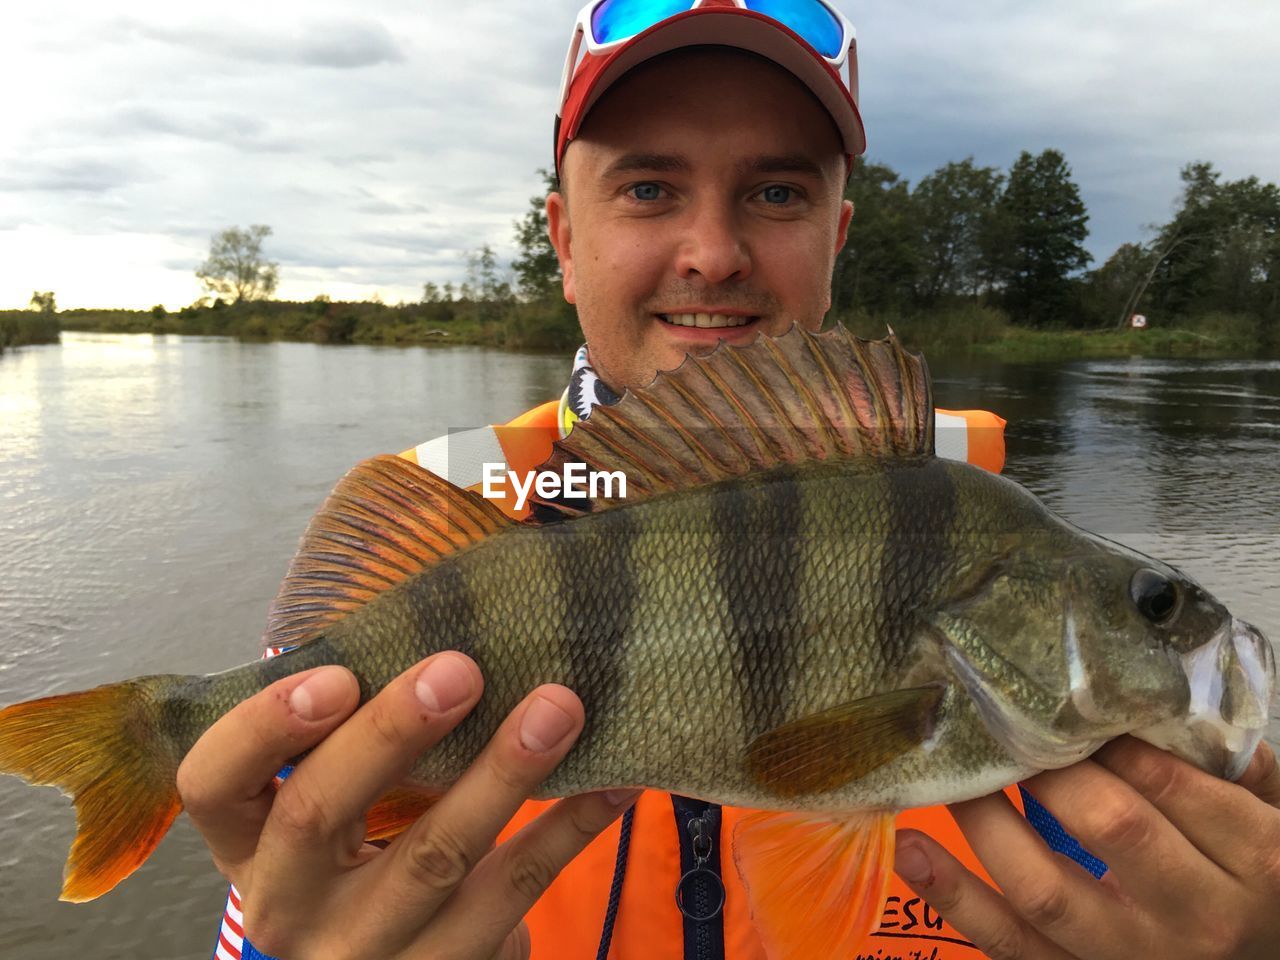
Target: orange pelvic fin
{"points": [[397, 811], [816, 887], [104, 749]]}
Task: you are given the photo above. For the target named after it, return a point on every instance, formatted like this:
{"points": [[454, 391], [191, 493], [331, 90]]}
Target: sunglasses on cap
{"points": [[603, 25]]}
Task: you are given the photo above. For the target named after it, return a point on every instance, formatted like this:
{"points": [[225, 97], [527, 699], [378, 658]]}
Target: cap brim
{"points": [[746, 30]]}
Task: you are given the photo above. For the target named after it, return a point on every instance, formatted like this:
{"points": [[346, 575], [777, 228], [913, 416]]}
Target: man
{"points": [[701, 200]]}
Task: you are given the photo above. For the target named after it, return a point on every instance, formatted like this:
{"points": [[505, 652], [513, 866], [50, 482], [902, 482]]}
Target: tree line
{"points": [[964, 255]]}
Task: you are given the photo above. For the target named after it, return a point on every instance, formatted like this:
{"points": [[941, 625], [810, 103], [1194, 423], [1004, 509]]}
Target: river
{"points": [[152, 490]]}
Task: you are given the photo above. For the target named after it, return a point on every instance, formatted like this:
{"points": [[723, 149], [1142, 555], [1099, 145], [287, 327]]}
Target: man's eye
{"points": [[646, 191], [777, 194]]}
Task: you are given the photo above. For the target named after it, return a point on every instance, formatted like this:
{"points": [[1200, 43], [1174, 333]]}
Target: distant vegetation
{"points": [[970, 259]]}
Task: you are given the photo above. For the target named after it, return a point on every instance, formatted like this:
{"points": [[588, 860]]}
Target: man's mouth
{"points": [[705, 320]]}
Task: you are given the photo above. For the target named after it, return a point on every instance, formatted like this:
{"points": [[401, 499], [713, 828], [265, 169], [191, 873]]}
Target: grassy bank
{"points": [[963, 329], [531, 326], [983, 331], [19, 328]]}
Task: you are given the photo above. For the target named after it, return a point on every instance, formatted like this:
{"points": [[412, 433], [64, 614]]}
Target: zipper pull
{"points": [[695, 880]]}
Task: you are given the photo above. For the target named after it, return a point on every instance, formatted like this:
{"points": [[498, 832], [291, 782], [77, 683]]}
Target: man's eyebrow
{"points": [[782, 163], [647, 163]]}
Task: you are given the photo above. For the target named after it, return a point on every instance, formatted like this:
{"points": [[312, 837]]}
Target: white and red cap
{"points": [[718, 23]]}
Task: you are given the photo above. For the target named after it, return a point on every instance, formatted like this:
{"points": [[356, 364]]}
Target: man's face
{"points": [[706, 183]]}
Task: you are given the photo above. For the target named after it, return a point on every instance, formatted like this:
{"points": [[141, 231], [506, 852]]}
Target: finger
{"points": [[1262, 776], [317, 822], [967, 903], [226, 780], [1154, 862], [506, 884], [425, 864], [1227, 825], [1055, 897]]}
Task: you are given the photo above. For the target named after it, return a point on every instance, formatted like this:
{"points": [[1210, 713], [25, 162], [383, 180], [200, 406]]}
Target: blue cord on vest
{"points": [[615, 888], [1056, 837]]}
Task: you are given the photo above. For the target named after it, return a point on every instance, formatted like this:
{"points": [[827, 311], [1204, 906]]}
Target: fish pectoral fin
{"points": [[397, 810], [816, 887], [829, 749]]}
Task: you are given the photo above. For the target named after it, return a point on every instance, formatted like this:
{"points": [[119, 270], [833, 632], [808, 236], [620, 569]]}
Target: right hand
{"points": [[311, 888]]}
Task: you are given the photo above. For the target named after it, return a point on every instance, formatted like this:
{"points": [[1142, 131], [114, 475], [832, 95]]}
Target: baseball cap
{"points": [[730, 23]]}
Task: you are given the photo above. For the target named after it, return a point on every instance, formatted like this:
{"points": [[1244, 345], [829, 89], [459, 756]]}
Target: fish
{"points": [[796, 608]]}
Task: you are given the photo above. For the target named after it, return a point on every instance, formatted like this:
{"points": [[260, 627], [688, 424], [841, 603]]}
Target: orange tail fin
{"points": [[103, 747]]}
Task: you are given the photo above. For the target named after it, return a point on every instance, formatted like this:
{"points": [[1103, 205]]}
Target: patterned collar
{"points": [[585, 390]]}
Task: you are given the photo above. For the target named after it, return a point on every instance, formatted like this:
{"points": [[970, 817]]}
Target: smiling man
{"points": [[702, 148], [679, 226]]}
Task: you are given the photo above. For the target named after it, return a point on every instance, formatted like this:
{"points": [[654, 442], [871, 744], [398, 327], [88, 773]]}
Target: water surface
{"points": [[152, 490]]}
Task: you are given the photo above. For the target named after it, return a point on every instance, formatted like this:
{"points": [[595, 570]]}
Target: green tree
{"points": [[537, 268], [876, 269], [954, 207], [491, 292], [43, 301], [1114, 289], [1047, 225], [237, 269], [1234, 263]]}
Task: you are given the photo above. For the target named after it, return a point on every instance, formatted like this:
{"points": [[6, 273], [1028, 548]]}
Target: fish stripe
{"points": [[757, 564], [597, 595], [922, 510]]}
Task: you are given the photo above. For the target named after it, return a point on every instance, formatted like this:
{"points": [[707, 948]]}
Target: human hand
{"points": [[1193, 863], [310, 887]]}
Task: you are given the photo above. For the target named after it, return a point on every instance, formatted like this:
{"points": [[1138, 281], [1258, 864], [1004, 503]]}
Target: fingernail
{"points": [[912, 863], [621, 798], [544, 725], [320, 695], [444, 683]]}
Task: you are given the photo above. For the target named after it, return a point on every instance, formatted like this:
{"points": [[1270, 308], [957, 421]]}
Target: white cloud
{"points": [[384, 142]]}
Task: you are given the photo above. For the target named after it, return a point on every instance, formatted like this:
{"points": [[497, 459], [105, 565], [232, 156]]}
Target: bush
{"points": [[19, 328]]}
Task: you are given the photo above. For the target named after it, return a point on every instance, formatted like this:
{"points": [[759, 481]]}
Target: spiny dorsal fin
{"points": [[775, 401], [386, 520]]}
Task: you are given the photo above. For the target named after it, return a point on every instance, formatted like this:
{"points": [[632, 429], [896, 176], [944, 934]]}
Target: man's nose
{"points": [[713, 246]]}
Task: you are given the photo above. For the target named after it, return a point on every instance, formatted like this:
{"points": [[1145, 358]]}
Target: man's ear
{"points": [[842, 229], [561, 239]]}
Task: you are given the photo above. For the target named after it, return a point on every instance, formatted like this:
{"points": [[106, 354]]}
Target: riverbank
{"points": [[967, 329], [20, 328]]}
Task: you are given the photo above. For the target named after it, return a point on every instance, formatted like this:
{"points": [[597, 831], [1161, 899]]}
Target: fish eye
{"points": [[1155, 596]]}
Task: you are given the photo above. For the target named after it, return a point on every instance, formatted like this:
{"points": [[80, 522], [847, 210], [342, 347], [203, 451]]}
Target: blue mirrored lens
{"points": [[818, 25], [618, 19]]}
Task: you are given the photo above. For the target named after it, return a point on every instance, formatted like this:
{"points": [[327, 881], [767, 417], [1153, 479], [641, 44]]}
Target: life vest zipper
{"points": [[700, 894]]}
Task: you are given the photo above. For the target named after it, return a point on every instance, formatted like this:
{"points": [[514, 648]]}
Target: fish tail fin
{"points": [[103, 747]]}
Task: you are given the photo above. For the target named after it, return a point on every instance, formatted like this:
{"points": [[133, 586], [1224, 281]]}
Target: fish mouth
{"points": [[1231, 681]]}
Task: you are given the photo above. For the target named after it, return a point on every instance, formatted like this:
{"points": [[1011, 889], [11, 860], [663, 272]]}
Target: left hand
{"points": [[1193, 863]]}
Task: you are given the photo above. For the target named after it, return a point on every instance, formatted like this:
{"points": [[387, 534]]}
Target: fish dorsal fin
{"points": [[385, 521], [778, 400], [816, 886]]}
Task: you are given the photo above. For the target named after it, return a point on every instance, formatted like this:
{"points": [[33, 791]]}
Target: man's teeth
{"points": [[705, 319]]}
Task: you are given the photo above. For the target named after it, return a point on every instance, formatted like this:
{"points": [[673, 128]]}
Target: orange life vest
{"points": [[566, 923]]}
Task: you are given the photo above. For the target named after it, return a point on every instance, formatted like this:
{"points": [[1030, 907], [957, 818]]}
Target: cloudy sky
{"points": [[383, 140]]}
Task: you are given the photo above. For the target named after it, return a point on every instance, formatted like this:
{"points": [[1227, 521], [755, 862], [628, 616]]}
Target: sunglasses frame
{"points": [[582, 30]]}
